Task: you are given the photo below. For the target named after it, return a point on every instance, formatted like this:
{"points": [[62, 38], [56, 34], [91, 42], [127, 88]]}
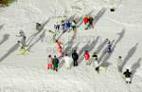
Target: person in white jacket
{"points": [[68, 61]]}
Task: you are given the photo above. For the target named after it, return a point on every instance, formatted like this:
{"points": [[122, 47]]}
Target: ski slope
{"points": [[28, 73]]}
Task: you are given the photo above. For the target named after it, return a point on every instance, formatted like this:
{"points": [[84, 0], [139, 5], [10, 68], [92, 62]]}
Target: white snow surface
{"points": [[28, 73]]}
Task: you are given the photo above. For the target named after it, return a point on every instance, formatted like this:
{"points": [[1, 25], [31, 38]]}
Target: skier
{"points": [[59, 47], [127, 75], [68, 61], [87, 57], [50, 62], [75, 57], [55, 63]]}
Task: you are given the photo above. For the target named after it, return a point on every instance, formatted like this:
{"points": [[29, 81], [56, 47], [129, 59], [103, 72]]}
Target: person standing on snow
{"points": [[85, 20], [68, 61], [96, 64], [23, 40], [91, 22], [50, 62], [55, 63], [127, 75], [59, 47], [75, 57], [74, 25], [87, 57], [109, 47], [57, 27]]}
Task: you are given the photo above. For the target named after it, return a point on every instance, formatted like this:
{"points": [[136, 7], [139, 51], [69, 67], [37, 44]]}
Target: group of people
{"points": [[88, 58], [69, 61], [67, 25], [72, 23], [53, 63]]}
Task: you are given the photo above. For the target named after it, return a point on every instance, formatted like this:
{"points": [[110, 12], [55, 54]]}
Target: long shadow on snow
{"points": [[30, 39], [129, 55], [11, 50], [101, 46], [37, 40], [1, 26], [99, 15], [5, 38], [70, 44], [135, 66]]}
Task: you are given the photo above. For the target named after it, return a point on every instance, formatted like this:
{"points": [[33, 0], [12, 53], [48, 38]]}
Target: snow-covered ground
{"points": [[28, 73]]}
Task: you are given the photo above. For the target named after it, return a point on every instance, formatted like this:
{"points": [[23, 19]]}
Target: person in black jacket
{"points": [[55, 63], [127, 75], [75, 58]]}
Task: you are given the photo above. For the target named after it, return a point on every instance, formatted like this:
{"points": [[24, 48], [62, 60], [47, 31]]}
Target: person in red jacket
{"points": [[50, 62], [87, 56], [85, 20]]}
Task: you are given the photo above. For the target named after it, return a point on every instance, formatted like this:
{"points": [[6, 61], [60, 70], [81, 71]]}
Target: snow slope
{"points": [[28, 73]]}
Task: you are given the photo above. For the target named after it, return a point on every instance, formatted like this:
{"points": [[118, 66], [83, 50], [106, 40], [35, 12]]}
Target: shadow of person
{"points": [[128, 56], [11, 50], [1, 26], [70, 43], [5, 38], [99, 15], [36, 41], [135, 66], [31, 38], [101, 46]]}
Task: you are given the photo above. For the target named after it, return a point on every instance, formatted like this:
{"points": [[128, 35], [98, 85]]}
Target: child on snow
{"points": [[50, 62], [127, 75], [55, 63], [75, 57], [68, 61], [87, 57]]}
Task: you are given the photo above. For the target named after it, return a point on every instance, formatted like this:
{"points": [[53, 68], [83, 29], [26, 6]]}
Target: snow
{"points": [[28, 73]]}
